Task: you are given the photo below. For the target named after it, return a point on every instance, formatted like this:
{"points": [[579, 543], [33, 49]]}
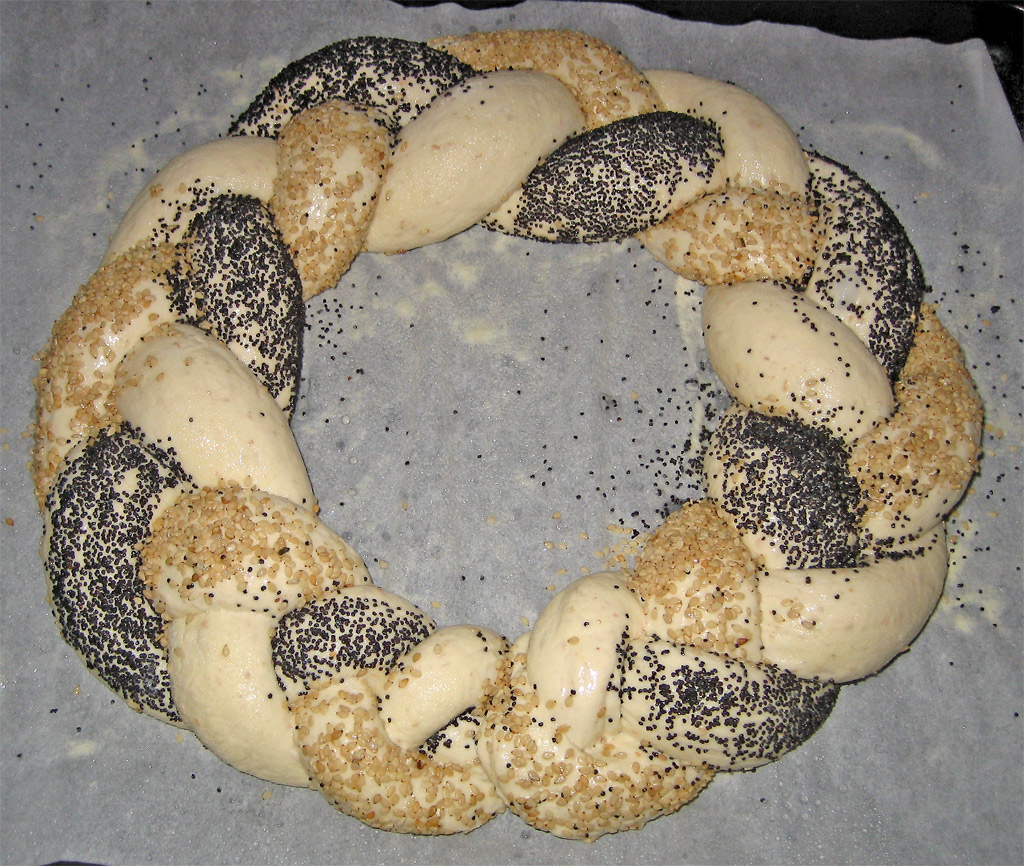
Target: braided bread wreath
{"points": [[187, 563]]}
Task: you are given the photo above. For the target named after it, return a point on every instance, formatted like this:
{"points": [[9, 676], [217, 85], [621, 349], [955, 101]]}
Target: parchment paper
{"points": [[475, 416]]}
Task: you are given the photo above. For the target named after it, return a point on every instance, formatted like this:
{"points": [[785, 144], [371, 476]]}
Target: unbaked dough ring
{"points": [[257, 625]]}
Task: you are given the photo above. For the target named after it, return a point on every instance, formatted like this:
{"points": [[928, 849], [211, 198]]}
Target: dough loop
{"points": [[188, 566]]}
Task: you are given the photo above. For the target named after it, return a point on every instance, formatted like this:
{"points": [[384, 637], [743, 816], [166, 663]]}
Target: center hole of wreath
{"points": [[475, 414]]}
